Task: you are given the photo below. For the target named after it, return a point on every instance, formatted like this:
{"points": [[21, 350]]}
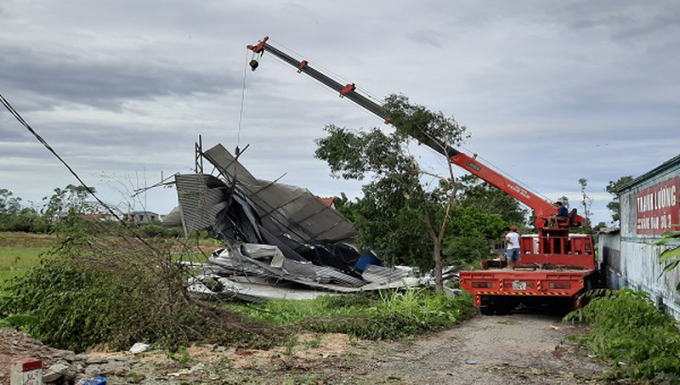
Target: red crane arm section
{"points": [[542, 208]]}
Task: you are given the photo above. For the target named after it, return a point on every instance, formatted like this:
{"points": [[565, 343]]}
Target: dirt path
{"points": [[519, 348]]}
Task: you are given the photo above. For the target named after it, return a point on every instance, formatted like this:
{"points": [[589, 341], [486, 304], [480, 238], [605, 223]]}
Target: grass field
{"points": [[21, 251]]}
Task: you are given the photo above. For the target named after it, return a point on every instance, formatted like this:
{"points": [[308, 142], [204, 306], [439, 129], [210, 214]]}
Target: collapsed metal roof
{"points": [[281, 241], [239, 206]]}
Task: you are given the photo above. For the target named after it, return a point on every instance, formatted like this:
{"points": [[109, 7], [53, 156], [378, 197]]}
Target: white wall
{"points": [[638, 266]]}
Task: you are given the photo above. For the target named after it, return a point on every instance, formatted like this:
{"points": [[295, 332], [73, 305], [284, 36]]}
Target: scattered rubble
{"points": [[59, 366], [281, 241], [230, 273]]}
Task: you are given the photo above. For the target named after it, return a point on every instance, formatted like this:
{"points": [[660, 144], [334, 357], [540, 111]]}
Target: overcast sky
{"points": [[551, 92]]}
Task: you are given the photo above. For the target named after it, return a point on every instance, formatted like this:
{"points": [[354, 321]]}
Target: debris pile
{"points": [[59, 366], [281, 240]]}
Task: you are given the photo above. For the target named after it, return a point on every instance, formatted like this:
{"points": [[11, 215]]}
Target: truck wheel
{"points": [[506, 305], [487, 309]]}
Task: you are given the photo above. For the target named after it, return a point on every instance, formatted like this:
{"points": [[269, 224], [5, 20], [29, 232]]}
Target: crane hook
{"points": [[253, 64]]}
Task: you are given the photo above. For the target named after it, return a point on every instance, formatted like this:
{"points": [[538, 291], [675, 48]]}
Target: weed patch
{"points": [[626, 329], [368, 316]]}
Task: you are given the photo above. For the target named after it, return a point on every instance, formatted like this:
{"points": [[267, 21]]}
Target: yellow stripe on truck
{"points": [[548, 293]]}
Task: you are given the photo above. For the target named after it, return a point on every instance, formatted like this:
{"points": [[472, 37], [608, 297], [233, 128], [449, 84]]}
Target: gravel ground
{"points": [[521, 348]]}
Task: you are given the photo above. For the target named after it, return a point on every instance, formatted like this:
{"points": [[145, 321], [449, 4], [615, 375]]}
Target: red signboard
{"points": [[657, 208]]}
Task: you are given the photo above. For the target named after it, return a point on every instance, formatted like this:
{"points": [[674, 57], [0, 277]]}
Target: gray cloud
{"points": [[104, 84], [126, 86], [638, 22], [427, 36]]}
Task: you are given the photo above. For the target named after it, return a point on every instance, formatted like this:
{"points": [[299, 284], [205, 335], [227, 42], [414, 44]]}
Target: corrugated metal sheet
{"points": [[264, 280], [286, 223], [292, 214], [201, 198], [381, 274], [333, 275]]}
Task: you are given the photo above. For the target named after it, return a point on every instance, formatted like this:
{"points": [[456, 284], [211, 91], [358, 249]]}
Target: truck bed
{"points": [[538, 282]]}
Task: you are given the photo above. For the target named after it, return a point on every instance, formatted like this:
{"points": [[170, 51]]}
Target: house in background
{"points": [[141, 217], [328, 202]]}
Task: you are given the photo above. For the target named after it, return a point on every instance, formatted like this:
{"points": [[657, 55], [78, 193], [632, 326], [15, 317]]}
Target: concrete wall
{"points": [[643, 272], [636, 262], [609, 252]]}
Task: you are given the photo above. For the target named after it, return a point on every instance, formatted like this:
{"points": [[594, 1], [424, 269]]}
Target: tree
{"points": [[9, 204], [472, 231], [72, 199], [613, 188], [13, 217], [402, 214], [586, 202], [487, 198], [393, 223], [565, 201], [599, 226]]}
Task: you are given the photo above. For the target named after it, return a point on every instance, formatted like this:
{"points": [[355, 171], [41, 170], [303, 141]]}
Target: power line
{"points": [[49, 148]]}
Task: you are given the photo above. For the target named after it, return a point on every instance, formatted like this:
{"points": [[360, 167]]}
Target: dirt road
{"points": [[521, 348]]}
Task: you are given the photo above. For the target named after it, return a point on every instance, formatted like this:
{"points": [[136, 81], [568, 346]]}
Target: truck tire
{"points": [[487, 310], [505, 305]]}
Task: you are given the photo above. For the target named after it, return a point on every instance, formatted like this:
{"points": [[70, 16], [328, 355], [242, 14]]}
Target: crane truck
{"points": [[556, 266]]}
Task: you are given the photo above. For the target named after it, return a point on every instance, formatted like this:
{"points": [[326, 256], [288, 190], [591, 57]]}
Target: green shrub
{"points": [[25, 221], [369, 315], [156, 230], [18, 321], [100, 289], [626, 329], [400, 314]]}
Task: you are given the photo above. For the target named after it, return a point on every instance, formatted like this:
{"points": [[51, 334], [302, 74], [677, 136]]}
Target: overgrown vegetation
{"points": [[97, 288], [388, 315], [431, 220], [670, 256], [613, 187], [629, 332]]}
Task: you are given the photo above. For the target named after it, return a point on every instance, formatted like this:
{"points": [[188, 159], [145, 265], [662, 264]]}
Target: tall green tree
{"points": [[613, 188], [586, 203], [401, 214], [473, 233], [487, 198], [9, 204], [71, 199]]}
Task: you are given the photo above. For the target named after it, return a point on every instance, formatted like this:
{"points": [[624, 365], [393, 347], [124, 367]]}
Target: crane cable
{"points": [[240, 115]]}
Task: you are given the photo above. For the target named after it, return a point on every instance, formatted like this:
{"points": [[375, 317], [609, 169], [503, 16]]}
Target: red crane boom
{"points": [[542, 208], [555, 264]]}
